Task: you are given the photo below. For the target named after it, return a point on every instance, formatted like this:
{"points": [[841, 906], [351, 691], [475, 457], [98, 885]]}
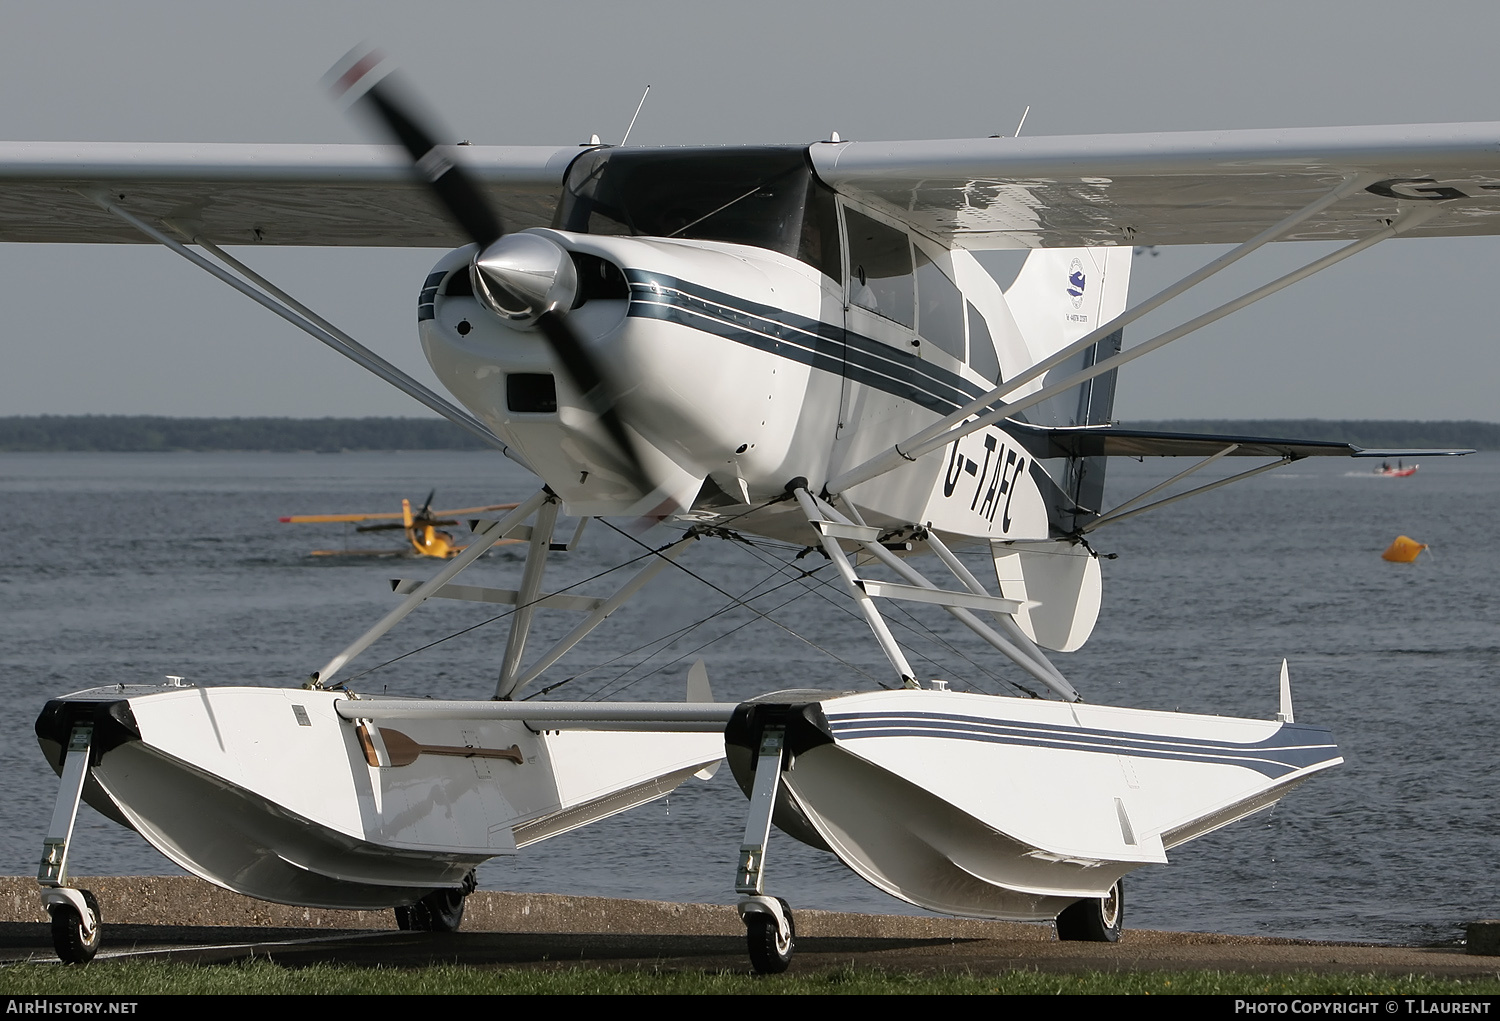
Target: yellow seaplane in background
{"points": [[423, 529]]}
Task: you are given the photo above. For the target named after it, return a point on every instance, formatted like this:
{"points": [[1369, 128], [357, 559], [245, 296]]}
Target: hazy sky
{"points": [[1403, 331]]}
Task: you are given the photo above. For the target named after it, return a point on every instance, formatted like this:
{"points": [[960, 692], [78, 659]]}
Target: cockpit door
{"points": [[879, 312], [881, 286]]}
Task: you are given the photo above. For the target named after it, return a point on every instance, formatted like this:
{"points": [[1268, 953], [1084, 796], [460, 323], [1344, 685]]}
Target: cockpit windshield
{"points": [[766, 197]]}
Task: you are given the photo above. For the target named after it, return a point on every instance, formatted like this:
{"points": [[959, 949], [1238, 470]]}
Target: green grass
{"points": [[260, 977]]}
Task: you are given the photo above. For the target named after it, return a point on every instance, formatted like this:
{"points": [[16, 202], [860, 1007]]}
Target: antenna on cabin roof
{"points": [[636, 114], [1023, 121]]}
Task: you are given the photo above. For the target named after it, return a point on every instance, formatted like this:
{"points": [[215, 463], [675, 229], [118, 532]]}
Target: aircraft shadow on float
{"points": [[790, 343]]}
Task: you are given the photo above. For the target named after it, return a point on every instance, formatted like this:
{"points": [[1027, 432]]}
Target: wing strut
{"points": [[263, 292], [953, 426]]}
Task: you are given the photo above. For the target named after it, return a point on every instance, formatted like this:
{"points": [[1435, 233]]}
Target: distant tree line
{"points": [[157, 433], [1370, 433], [330, 435]]}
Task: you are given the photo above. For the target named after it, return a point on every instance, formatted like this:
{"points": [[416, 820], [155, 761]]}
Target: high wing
{"points": [[1044, 191], [1179, 188], [247, 194]]}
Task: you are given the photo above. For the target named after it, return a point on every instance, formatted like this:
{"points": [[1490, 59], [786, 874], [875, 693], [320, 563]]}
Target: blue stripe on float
{"points": [[1290, 748]]}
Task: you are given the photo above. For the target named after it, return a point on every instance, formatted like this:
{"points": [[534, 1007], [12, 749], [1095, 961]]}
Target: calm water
{"points": [[126, 567]]}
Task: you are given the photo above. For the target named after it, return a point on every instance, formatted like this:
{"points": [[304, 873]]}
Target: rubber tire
{"points": [[1097, 920], [768, 955], [439, 911], [67, 932]]}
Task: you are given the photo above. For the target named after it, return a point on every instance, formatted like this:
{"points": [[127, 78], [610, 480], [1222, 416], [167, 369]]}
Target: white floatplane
{"points": [[794, 342]]}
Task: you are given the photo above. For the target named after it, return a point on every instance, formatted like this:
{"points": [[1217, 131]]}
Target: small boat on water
{"points": [[1398, 472]]}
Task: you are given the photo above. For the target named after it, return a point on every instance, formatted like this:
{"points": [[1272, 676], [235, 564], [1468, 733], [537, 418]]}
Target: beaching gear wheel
{"points": [[75, 945], [770, 952], [439, 911], [1095, 920]]}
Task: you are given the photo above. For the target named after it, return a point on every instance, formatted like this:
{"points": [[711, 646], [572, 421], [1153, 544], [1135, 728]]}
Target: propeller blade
{"points": [[465, 201], [586, 376], [454, 188], [426, 510]]}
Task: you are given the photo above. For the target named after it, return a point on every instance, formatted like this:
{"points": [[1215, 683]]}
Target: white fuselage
{"points": [[738, 370]]}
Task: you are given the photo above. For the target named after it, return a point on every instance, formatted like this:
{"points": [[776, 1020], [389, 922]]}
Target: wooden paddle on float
{"points": [[402, 750]]}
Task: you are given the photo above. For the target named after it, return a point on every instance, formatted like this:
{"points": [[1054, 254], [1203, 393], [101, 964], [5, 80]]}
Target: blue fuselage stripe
{"points": [[809, 341]]}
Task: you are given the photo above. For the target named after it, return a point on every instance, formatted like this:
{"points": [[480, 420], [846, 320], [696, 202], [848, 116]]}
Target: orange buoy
{"points": [[1404, 550]]}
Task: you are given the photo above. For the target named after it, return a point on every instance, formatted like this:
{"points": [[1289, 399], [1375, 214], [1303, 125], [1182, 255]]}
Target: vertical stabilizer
{"points": [[1061, 295]]}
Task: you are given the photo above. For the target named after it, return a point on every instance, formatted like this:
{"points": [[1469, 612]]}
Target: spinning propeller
{"points": [[524, 278]]}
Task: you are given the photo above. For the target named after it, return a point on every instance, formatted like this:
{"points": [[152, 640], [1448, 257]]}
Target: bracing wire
{"points": [[760, 550], [742, 602], [674, 636], [916, 627], [718, 638], [498, 616], [811, 586], [670, 638]]}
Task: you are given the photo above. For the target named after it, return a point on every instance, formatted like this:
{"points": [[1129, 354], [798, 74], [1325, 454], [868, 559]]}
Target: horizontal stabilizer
{"points": [[1112, 441]]}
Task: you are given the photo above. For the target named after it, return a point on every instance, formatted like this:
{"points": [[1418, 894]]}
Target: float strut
{"points": [[74, 912], [750, 881], [53, 871], [769, 929]]}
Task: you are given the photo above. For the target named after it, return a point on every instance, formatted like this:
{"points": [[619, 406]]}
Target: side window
{"points": [[940, 308], [982, 358], [880, 277], [818, 244]]}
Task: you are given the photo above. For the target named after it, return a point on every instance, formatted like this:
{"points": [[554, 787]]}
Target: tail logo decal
{"points": [[1076, 282]]}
